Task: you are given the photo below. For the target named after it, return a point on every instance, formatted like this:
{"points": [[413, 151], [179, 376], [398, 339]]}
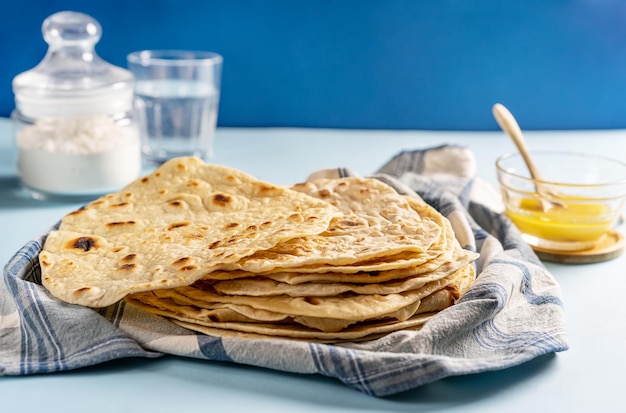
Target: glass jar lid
{"points": [[72, 80]]}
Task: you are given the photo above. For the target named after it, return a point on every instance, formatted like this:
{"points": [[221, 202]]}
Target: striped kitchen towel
{"points": [[512, 313]]}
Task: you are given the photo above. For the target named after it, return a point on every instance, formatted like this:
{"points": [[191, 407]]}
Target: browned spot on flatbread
{"points": [[233, 239], [118, 224], [82, 290], [182, 261], [296, 218], [82, 243], [127, 267], [214, 244], [77, 212], [263, 187], [129, 258], [348, 223], [175, 225], [323, 193], [232, 225], [222, 200], [188, 268], [268, 190]]}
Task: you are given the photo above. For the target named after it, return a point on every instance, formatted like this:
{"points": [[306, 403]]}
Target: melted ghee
{"points": [[578, 221]]}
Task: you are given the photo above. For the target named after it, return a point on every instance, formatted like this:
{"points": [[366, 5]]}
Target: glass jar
{"points": [[73, 120]]}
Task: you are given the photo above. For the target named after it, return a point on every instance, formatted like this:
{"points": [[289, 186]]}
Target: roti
{"points": [[220, 252], [170, 228], [376, 222], [358, 331], [202, 306], [271, 284]]}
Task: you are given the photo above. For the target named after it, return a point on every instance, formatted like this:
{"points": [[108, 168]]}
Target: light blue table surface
{"points": [[586, 378]]}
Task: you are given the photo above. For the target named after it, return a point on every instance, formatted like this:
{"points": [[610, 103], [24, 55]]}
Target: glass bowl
{"points": [[591, 190]]}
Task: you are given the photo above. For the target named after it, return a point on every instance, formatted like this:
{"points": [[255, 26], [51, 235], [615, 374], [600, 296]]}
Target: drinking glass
{"points": [[176, 100]]}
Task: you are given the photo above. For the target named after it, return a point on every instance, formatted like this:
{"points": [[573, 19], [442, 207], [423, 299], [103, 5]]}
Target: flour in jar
{"points": [[78, 157]]}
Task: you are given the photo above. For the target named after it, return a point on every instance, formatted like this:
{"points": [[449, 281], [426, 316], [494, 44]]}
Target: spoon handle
{"points": [[508, 124]]}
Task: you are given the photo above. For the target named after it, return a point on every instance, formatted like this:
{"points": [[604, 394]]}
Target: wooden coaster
{"points": [[611, 246]]}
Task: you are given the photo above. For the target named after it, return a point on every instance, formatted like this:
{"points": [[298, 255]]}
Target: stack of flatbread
{"points": [[220, 252]]}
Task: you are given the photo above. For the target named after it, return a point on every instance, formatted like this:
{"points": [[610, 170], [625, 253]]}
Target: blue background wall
{"points": [[398, 64]]}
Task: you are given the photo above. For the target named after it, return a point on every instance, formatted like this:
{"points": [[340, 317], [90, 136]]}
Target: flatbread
{"points": [[358, 331], [376, 222], [343, 306], [204, 306], [220, 252], [333, 284], [169, 229], [445, 253], [172, 308]]}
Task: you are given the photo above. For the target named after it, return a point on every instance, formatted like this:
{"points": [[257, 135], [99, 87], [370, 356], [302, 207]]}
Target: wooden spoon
{"points": [[509, 125]]}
